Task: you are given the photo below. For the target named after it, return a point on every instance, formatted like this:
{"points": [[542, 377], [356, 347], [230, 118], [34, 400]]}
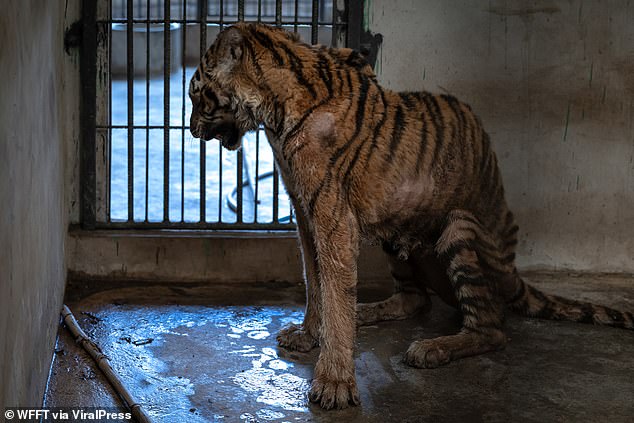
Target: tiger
{"points": [[412, 171]]}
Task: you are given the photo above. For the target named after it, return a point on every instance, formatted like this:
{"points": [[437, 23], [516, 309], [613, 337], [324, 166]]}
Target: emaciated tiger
{"points": [[412, 170]]}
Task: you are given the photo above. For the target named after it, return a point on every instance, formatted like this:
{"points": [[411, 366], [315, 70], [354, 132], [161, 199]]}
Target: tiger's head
{"points": [[212, 116], [225, 91], [215, 112], [248, 72]]}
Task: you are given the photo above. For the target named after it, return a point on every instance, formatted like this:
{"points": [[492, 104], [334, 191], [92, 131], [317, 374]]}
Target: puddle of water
{"points": [[258, 334], [279, 365], [158, 376], [265, 414], [284, 390]]}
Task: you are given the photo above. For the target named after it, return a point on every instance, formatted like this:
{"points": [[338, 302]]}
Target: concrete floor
{"points": [[201, 353]]}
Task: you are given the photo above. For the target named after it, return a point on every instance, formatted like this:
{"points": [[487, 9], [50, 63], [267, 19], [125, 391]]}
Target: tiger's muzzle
{"points": [[226, 131]]}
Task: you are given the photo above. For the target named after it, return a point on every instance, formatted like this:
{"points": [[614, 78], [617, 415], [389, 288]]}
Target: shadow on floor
{"points": [[208, 353]]}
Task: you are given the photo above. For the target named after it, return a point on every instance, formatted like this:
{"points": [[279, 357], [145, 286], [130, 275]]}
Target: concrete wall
{"points": [[553, 82], [182, 256], [37, 114]]}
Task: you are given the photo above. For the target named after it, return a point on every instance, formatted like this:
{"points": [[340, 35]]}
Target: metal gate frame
{"points": [[347, 28]]}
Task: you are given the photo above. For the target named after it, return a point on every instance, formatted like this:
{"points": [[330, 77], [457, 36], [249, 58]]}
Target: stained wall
{"points": [[553, 82], [38, 114]]}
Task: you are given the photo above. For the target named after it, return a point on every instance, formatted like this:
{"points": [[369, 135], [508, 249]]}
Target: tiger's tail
{"points": [[531, 302]]}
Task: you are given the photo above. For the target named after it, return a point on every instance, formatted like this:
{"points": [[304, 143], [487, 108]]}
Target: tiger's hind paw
{"points": [[293, 337], [431, 353], [426, 354]]}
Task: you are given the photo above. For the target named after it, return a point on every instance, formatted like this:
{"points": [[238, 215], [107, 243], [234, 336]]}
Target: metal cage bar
{"points": [[184, 11], [258, 197], [109, 135], [166, 110], [212, 21], [203, 146], [130, 74], [88, 77], [147, 115], [314, 26], [102, 111]]}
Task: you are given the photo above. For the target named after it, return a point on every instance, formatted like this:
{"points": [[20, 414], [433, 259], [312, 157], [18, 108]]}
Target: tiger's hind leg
{"points": [[461, 244], [410, 295]]}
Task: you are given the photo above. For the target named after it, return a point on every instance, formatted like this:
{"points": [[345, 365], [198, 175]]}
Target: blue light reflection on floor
{"points": [[145, 343]]}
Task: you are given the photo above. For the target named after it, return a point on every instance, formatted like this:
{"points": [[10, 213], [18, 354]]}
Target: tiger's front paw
{"points": [[293, 337], [334, 394]]}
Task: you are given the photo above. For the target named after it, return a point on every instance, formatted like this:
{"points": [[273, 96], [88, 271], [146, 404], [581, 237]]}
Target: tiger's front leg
{"points": [[336, 241], [305, 337]]}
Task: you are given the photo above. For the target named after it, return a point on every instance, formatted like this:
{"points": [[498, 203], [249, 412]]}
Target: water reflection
{"points": [[204, 362]]}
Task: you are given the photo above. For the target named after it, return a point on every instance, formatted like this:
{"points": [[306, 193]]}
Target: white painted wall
{"points": [[553, 82], [38, 114]]}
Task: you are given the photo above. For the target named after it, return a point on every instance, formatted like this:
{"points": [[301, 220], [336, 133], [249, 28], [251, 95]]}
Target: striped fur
{"points": [[414, 171]]}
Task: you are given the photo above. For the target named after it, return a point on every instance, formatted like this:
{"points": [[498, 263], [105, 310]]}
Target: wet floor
{"points": [[208, 354]]}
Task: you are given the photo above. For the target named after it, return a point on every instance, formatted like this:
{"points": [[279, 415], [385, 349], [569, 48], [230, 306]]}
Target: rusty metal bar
{"points": [[339, 24], [109, 127], [88, 77], [102, 109], [103, 363]]}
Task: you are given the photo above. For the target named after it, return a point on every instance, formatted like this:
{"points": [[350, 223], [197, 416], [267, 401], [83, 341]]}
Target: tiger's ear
{"points": [[230, 48]]}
